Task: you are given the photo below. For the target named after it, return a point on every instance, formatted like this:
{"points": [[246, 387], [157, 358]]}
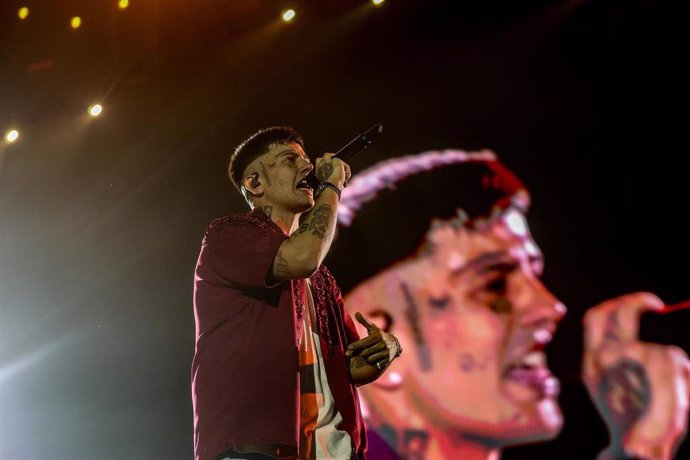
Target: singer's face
{"points": [[282, 171], [474, 318]]}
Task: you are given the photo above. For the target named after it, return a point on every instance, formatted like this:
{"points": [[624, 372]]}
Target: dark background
{"points": [[101, 219]]}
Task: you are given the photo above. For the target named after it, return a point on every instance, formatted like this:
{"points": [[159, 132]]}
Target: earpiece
{"points": [[253, 184], [255, 181]]}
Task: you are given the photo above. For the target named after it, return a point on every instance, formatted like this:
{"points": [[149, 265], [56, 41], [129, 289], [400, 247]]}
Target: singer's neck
{"points": [[286, 220]]}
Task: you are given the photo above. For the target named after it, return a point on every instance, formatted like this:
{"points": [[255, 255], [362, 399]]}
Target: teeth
{"points": [[552, 386], [534, 359], [542, 336]]}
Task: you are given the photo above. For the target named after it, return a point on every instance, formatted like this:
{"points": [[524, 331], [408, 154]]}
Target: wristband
{"points": [[324, 185]]}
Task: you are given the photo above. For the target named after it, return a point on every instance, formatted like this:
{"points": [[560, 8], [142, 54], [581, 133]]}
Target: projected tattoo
{"points": [[271, 165], [281, 265], [325, 171], [389, 434], [415, 444], [319, 224], [626, 392], [611, 328], [264, 171], [412, 316], [468, 363], [268, 210], [303, 227]]}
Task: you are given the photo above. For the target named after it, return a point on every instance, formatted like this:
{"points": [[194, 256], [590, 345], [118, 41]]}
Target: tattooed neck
{"points": [[410, 443], [268, 210]]}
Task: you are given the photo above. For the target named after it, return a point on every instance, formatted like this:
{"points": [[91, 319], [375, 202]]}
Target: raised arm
{"points": [[301, 254], [639, 388]]}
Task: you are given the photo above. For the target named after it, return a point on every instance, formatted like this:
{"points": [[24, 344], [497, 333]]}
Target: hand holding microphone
{"points": [[330, 173], [332, 169], [345, 154]]}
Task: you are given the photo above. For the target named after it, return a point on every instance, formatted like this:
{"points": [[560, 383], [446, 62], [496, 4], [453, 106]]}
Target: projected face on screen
{"points": [[474, 319]]}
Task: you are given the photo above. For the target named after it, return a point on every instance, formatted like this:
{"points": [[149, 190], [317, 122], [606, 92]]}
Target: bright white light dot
{"points": [[12, 135], [516, 223], [395, 377], [377, 2], [95, 110], [288, 15]]}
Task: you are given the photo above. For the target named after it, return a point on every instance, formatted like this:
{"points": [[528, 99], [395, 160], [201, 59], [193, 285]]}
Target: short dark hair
{"points": [[256, 145], [387, 210]]}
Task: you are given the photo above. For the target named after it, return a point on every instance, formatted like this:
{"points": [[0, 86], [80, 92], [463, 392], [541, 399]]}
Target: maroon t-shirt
{"points": [[245, 373]]}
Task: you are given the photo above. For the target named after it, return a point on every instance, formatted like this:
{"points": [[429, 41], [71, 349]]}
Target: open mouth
{"points": [[531, 371], [303, 185]]}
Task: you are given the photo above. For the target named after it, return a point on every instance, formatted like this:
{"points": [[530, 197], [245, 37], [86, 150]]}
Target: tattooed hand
{"points": [[640, 389], [331, 169]]}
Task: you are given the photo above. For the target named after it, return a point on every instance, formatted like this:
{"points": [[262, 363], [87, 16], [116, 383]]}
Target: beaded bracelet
{"points": [[324, 185]]}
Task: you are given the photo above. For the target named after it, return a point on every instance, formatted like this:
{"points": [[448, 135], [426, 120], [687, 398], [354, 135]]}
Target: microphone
{"points": [[351, 149], [359, 143]]}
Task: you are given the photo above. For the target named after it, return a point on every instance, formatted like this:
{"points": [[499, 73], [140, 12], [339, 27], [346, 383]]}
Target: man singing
{"points": [[277, 358]]}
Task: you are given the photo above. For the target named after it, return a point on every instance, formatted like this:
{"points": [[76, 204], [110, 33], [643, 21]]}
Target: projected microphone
{"points": [[667, 325], [351, 149]]}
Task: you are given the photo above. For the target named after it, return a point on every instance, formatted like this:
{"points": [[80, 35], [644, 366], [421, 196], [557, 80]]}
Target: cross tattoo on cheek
{"points": [[264, 171]]}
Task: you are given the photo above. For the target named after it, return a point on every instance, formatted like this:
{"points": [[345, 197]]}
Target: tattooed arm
{"points": [[640, 389], [302, 253]]}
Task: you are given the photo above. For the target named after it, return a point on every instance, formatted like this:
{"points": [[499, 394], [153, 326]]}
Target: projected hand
{"points": [[640, 389]]}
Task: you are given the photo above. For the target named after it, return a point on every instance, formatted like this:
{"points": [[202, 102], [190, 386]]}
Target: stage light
{"points": [[288, 15], [23, 12], [95, 110], [75, 22], [377, 2], [122, 4], [12, 135]]}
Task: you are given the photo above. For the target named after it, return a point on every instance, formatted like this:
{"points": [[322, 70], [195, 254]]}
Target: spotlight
{"points": [[288, 15], [95, 110], [75, 22], [122, 4], [12, 135], [23, 12], [377, 2]]}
